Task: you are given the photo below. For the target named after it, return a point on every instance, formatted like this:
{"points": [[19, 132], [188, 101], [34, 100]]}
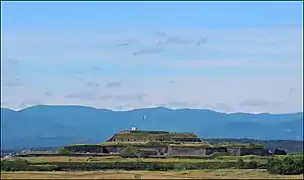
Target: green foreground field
{"points": [[120, 159], [117, 167], [190, 174]]}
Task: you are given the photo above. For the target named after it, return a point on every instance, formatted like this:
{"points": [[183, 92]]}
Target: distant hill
{"points": [[291, 146], [52, 126]]}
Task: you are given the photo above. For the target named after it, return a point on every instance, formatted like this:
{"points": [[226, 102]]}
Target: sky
{"points": [[223, 56]]}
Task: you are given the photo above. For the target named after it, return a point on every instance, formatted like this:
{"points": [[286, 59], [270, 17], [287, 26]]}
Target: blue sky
{"points": [[134, 55]]}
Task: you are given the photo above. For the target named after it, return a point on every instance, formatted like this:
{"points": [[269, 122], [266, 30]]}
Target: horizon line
{"points": [[147, 107]]}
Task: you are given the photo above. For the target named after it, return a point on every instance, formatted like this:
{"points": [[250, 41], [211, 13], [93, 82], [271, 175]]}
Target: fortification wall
{"points": [[210, 151], [186, 151], [85, 149], [254, 151], [191, 139], [171, 150], [161, 150], [148, 152], [248, 151], [193, 151], [112, 149], [234, 151]]}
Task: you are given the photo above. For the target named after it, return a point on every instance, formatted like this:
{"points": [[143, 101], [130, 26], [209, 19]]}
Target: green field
{"points": [[116, 159], [115, 166], [190, 174]]}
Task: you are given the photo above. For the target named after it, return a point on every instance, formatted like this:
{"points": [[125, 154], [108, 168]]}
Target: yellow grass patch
{"points": [[193, 174]]}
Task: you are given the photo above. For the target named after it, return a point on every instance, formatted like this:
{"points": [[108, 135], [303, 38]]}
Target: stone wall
{"points": [[161, 150], [210, 151], [112, 149], [254, 151], [148, 152], [234, 151], [186, 139], [193, 151], [248, 151], [85, 149], [186, 151], [172, 150]]}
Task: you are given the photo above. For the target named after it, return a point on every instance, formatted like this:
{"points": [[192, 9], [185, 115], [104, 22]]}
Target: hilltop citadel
{"points": [[163, 143]]}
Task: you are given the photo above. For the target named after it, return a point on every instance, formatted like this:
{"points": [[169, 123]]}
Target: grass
{"points": [[167, 143], [144, 134], [143, 144], [239, 145], [115, 159], [193, 174]]}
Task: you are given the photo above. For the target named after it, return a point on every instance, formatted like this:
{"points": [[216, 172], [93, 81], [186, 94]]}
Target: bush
{"points": [[155, 143], [129, 152], [141, 165], [64, 151], [240, 164], [298, 154], [137, 176], [286, 166], [15, 165], [252, 164], [218, 154], [23, 165], [181, 166], [279, 152]]}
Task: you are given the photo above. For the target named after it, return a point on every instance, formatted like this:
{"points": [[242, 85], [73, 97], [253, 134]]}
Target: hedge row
{"points": [[64, 154], [143, 165], [288, 166], [22, 165]]}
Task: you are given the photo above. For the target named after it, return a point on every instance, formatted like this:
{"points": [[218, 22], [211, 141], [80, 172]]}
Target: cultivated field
{"points": [[193, 174]]}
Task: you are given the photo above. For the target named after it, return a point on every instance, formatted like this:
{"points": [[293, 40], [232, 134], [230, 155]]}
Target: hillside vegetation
{"points": [[290, 146], [284, 164]]}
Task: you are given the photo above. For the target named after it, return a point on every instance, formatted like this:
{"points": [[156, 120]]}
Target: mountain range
{"points": [[53, 126]]}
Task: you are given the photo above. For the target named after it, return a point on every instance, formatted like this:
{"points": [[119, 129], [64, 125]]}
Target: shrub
{"points": [[286, 166], [240, 163], [23, 165], [141, 165], [181, 166], [129, 152], [252, 164], [279, 152], [64, 151], [298, 154], [14, 165], [154, 143], [137, 176], [217, 155]]}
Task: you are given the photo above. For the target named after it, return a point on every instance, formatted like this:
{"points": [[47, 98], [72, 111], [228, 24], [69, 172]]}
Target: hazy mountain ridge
{"points": [[41, 126]]}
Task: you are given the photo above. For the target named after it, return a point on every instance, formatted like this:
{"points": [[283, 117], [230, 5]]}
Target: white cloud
{"points": [[244, 49], [224, 94]]}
